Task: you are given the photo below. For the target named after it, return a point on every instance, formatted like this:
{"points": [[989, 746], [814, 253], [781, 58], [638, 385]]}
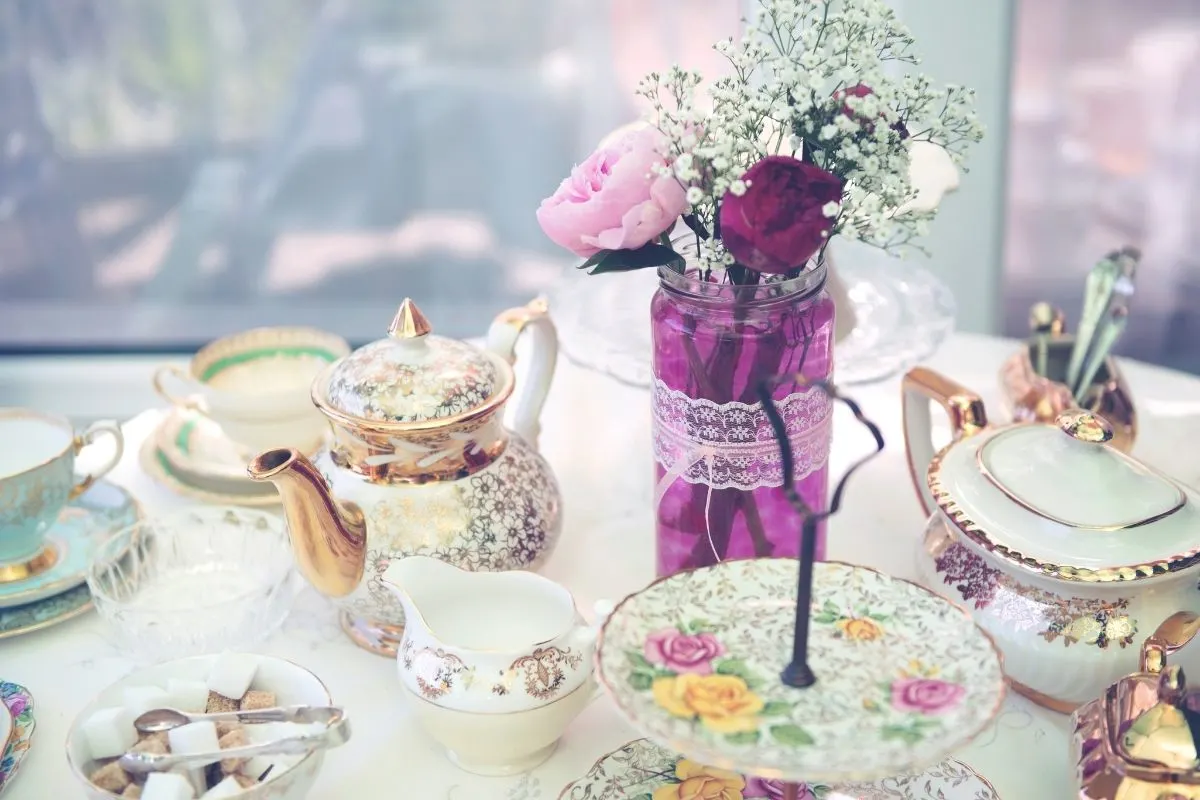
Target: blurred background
{"points": [[175, 170]]}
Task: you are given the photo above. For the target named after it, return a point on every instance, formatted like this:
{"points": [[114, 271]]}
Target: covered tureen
{"points": [[1067, 551]]}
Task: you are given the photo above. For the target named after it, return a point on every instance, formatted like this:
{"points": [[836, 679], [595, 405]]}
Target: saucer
{"points": [[641, 768], [44, 613], [19, 703], [195, 446], [903, 677], [83, 524], [156, 463]]}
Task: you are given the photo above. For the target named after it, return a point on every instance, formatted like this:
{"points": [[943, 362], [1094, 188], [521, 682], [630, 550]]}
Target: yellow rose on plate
{"points": [[723, 703], [698, 782], [860, 629]]}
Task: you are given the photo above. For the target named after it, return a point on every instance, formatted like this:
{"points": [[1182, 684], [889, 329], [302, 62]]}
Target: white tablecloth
{"points": [[596, 436]]}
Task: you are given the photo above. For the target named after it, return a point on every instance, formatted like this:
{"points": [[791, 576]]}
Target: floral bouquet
{"points": [[734, 196]]}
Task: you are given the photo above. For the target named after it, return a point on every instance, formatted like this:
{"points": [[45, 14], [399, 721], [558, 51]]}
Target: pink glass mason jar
{"points": [[718, 488]]}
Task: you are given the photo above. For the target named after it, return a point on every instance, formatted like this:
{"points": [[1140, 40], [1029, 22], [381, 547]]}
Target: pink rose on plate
{"points": [[683, 652], [614, 201], [770, 789], [927, 696]]}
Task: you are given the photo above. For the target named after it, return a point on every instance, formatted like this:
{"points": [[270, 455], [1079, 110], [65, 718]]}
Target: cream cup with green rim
{"points": [[255, 385]]}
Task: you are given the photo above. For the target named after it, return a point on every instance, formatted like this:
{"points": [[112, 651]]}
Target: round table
{"points": [[596, 435]]}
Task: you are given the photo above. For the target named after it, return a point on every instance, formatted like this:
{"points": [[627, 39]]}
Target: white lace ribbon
{"points": [[731, 445]]}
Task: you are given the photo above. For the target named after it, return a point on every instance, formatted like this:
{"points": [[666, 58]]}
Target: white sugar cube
{"points": [[190, 696], [226, 788], [232, 674], [140, 699], [109, 733], [167, 786], [195, 737]]}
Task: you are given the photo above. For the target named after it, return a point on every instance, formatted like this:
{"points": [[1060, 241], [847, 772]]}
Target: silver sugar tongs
{"points": [[336, 732]]}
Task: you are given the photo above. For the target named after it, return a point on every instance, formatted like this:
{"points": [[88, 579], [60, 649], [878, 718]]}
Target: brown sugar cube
{"points": [[151, 744], [132, 791], [110, 778], [244, 781], [218, 704], [157, 736], [256, 699], [227, 726], [235, 738]]}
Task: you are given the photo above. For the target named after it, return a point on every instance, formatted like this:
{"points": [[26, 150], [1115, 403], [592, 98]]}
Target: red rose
{"points": [[779, 223], [862, 90]]}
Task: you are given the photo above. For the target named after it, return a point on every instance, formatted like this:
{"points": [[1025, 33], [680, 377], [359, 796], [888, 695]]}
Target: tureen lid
{"points": [[1057, 499], [413, 376]]}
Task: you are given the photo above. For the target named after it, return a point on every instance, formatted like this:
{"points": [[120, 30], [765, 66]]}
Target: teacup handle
{"points": [[189, 402], [502, 340], [963, 407], [86, 438]]}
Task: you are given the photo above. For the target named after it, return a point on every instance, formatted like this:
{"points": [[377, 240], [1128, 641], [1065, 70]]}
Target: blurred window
{"points": [[174, 170]]}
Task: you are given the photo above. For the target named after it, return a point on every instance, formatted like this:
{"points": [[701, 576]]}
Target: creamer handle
{"points": [[502, 340], [1174, 632], [191, 401], [963, 407]]}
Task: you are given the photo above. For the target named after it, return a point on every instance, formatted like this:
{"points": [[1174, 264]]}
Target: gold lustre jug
{"points": [[421, 463]]}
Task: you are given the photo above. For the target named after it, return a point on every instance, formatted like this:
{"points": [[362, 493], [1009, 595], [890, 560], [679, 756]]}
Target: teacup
{"points": [[256, 385], [37, 478]]}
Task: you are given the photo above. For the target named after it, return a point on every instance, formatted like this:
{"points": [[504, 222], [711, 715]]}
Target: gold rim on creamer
{"points": [[1066, 572]]}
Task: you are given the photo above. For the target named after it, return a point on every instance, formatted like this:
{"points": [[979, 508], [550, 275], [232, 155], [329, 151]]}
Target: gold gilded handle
{"points": [[94, 431], [963, 407], [190, 402], [1174, 632]]}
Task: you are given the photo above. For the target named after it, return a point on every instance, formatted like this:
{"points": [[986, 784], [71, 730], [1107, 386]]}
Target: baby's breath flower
{"points": [[787, 91]]}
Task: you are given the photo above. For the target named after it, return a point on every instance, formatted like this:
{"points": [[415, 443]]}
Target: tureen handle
{"points": [[1174, 632], [502, 339], [962, 406]]}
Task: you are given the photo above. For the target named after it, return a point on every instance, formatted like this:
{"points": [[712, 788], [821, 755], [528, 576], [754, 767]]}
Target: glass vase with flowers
{"points": [[733, 194]]}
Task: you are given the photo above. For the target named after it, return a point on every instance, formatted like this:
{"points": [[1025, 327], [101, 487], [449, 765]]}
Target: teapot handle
{"points": [[502, 340], [963, 407]]}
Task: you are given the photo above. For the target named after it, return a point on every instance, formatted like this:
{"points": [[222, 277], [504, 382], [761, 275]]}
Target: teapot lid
{"points": [[413, 376], [1057, 499]]}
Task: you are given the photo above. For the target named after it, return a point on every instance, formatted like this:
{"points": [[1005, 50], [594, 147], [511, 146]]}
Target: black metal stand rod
{"points": [[797, 674]]}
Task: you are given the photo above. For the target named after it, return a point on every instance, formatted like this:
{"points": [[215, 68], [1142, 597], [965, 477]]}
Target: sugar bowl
{"points": [[1066, 550]]}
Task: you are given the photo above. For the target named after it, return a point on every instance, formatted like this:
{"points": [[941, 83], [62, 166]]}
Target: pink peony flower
{"points": [[927, 696], [779, 223], [683, 653], [613, 201]]}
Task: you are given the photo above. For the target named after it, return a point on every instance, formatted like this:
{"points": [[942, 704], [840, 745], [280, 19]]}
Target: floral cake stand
{"points": [[903, 677], [641, 770]]}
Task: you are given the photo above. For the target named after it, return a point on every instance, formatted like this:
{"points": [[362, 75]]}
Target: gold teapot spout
{"points": [[328, 537]]}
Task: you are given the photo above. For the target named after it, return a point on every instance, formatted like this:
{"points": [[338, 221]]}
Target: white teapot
{"points": [[1064, 549]]}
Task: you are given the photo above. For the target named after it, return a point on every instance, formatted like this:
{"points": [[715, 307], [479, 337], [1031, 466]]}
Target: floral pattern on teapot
{"points": [[1074, 620]]}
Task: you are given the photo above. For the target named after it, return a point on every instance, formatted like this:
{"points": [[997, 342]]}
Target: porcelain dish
{"points": [[642, 769], [18, 704], [159, 467], [1066, 550], [421, 463], [44, 613], [72, 540], [904, 678], [290, 683]]}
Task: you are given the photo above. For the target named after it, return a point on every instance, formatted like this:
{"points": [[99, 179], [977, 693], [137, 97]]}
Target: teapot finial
{"points": [[1085, 426], [409, 322]]}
